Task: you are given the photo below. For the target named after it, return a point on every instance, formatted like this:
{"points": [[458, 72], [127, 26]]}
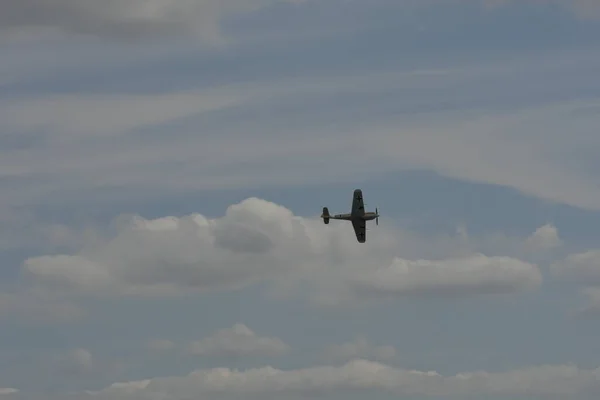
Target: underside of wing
{"points": [[358, 206], [360, 229]]}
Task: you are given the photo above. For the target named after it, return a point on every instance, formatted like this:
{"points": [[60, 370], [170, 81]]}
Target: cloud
{"points": [[324, 381], [238, 341], [462, 276], [108, 115], [581, 267], [37, 308], [74, 362], [102, 144], [9, 393], [544, 238], [592, 302], [62, 155], [254, 241], [126, 18], [259, 241], [539, 247], [360, 347], [148, 18]]}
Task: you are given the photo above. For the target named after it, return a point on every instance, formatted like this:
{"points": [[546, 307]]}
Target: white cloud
{"points": [[238, 341], [360, 347], [582, 267], [463, 276], [539, 247], [126, 18], [254, 241], [259, 241], [323, 381], [544, 238]]}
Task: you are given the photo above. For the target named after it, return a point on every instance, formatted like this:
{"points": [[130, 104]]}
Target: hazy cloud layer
{"points": [[202, 18], [360, 348], [592, 303], [325, 381], [127, 18], [582, 269], [192, 132], [109, 115], [238, 341], [37, 307]]}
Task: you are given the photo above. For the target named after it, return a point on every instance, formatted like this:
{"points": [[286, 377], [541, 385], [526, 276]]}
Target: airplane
{"points": [[357, 216]]}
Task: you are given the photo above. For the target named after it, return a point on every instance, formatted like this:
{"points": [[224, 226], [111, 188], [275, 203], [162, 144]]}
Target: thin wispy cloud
{"points": [[129, 18]]}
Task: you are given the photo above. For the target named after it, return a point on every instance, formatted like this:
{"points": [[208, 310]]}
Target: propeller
{"points": [[376, 218]]}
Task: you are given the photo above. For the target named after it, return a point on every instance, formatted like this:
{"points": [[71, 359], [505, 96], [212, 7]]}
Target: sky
{"points": [[163, 166]]}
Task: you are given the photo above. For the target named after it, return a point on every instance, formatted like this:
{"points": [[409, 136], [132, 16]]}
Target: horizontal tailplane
{"points": [[325, 215]]}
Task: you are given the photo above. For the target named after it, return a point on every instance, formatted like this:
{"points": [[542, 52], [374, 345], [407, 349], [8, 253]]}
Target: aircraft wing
{"points": [[358, 206], [360, 229]]}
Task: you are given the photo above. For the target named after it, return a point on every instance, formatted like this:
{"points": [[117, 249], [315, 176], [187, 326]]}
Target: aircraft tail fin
{"points": [[325, 215]]}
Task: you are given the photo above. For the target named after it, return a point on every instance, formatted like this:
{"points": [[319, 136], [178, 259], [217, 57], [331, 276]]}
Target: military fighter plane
{"points": [[357, 216]]}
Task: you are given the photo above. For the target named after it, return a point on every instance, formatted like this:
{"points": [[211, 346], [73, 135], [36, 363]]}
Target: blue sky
{"points": [[163, 166]]}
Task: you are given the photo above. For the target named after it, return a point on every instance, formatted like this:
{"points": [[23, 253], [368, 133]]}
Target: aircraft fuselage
{"points": [[368, 216]]}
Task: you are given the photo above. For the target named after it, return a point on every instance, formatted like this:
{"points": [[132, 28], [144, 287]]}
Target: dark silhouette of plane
{"points": [[357, 216]]}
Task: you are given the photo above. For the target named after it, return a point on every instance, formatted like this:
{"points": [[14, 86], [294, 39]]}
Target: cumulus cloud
{"points": [[455, 277], [127, 18], [255, 240], [238, 341], [582, 268], [321, 381], [361, 348], [259, 241], [544, 238]]}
